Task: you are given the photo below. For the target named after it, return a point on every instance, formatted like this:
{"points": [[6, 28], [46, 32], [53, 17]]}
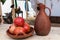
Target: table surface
{"points": [[53, 35]]}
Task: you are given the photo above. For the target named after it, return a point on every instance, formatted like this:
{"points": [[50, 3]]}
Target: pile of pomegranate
{"points": [[19, 26]]}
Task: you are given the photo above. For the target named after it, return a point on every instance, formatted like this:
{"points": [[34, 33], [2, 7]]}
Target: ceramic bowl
{"points": [[21, 36]]}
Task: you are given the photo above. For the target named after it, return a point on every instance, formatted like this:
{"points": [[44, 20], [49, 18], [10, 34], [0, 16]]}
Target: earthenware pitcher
{"points": [[42, 24]]}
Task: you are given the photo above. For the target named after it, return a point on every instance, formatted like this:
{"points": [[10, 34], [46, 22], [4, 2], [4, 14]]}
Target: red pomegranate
{"points": [[19, 21], [11, 28], [26, 27], [19, 30]]}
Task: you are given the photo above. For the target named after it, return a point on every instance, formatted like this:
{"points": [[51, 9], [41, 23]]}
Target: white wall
{"points": [[55, 10], [6, 7]]}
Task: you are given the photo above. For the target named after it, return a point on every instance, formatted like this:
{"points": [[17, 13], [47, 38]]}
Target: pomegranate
{"points": [[11, 28], [26, 27], [19, 21], [19, 30]]}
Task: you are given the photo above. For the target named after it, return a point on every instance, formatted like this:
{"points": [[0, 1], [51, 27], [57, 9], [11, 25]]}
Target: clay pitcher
{"points": [[42, 24]]}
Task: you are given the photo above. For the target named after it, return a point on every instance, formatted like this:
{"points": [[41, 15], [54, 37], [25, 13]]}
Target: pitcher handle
{"points": [[49, 11]]}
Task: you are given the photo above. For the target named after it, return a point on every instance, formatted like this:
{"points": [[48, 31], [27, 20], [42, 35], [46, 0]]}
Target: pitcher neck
{"points": [[42, 9]]}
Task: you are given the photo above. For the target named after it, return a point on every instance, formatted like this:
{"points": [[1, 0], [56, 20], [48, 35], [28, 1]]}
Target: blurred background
{"points": [[54, 5]]}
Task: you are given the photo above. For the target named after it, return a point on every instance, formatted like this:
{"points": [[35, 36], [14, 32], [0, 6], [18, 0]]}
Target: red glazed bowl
{"points": [[21, 36]]}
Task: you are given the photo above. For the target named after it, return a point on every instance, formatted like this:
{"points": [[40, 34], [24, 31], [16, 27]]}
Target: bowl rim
{"points": [[21, 36]]}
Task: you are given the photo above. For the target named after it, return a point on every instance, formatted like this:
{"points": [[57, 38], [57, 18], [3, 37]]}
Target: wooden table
{"points": [[53, 35]]}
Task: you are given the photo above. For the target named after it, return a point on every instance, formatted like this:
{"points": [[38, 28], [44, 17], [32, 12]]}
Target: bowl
{"points": [[21, 36]]}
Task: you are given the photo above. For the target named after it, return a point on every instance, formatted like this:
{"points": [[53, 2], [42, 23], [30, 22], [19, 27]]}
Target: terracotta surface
{"points": [[21, 36], [42, 24]]}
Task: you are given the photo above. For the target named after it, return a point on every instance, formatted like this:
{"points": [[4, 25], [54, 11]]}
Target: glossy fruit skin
{"points": [[19, 30], [12, 28], [19, 21], [26, 27]]}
